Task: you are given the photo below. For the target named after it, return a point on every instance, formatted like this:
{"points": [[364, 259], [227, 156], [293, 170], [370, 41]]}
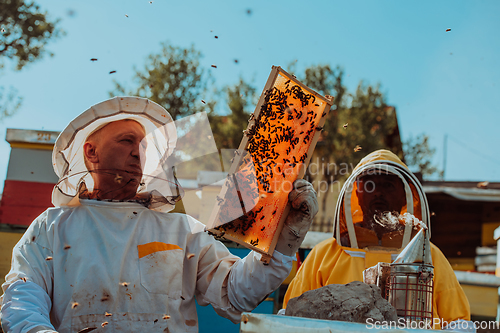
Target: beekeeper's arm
{"points": [[249, 281], [26, 303]]}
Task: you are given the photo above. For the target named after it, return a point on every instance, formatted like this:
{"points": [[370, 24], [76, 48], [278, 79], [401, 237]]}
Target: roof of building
{"points": [[465, 190]]}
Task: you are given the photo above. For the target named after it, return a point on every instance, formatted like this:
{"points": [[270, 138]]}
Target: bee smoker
{"points": [[411, 279]]}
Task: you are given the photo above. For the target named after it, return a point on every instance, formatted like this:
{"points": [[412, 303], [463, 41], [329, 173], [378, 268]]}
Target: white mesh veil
{"points": [[158, 185]]}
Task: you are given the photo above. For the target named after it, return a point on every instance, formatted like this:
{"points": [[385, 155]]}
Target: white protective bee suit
{"points": [[88, 265]]}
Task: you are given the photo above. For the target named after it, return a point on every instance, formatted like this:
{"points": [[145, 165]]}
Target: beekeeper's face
{"points": [[380, 193], [113, 154]]}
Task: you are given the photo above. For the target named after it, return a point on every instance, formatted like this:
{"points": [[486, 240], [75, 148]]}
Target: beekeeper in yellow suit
{"points": [[108, 258], [380, 183]]}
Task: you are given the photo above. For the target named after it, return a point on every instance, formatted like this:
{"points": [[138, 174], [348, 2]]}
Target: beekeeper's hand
{"points": [[304, 206]]}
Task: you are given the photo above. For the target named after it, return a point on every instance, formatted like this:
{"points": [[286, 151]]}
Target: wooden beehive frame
{"points": [[328, 100]]}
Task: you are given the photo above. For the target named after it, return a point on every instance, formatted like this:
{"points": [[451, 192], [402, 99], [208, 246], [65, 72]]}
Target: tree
{"points": [[9, 102], [25, 31], [174, 79], [228, 130], [418, 156], [361, 119]]}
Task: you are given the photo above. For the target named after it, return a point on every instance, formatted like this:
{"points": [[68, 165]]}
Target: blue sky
{"points": [[440, 82]]}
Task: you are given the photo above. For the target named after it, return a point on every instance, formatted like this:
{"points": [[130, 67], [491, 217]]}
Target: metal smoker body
{"points": [[410, 290], [411, 281]]}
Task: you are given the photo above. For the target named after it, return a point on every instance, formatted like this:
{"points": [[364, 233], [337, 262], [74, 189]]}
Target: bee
{"points": [[166, 317], [74, 305], [151, 2], [67, 247], [249, 131], [482, 185], [183, 298], [93, 59], [87, 329], [155, 321], [107, 314], [357, 148], [126, 15], [214, 66], [447, 30], [104, 324], [216, 37], [49, 258], [345, 125], [189, 256], [112, 72], [118, 179], [24, 279], [124, 284], [203, 101], [135, 213], [104, 298], [254, 242]]}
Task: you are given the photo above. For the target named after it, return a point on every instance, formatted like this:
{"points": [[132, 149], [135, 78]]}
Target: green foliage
{"points": [[228, 130], [418, 156], [9, 102], [361, 119], [173, 78], [25, 31]]}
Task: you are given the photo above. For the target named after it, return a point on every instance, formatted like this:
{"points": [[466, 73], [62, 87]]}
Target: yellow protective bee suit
{"points": [[331, 263]]}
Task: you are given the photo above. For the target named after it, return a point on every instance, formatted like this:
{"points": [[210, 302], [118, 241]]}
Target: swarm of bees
{"points": [[278, 142]]}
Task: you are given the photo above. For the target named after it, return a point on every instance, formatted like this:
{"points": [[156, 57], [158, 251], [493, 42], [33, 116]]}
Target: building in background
{"points": [[27, 188]]}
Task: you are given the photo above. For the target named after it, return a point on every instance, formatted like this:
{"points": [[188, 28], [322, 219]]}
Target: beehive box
{"points": [[275, 151]]}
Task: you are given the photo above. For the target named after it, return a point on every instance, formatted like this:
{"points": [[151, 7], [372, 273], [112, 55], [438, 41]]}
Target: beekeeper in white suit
{"points": [[108, 258]]}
